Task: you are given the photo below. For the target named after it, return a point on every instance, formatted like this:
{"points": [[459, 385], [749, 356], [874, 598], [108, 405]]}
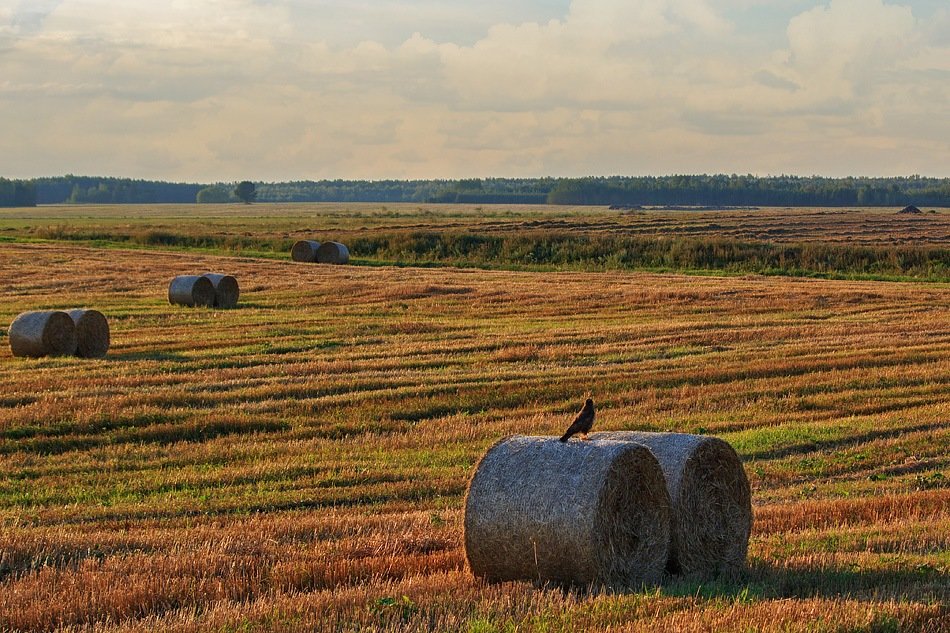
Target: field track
{"points": [[299, 463]]}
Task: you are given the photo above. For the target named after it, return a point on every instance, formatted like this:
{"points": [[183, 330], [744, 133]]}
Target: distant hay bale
{"points": [[579, 513], [226, 290], [333, 253], [191, 290], [92, 333], [304, 251], [712, 500], [42, 333]]}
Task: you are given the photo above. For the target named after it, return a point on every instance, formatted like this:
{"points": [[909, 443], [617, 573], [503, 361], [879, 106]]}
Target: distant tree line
{"points": [[95, 190], [17, 193], [475, 191], [677, 190], [349, 191], [215, 194], [720, 190]]}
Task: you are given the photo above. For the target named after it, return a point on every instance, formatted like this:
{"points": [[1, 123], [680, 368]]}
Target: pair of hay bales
{"points": [[325, 253], [623, 509], [81, 332], [210, 290]]}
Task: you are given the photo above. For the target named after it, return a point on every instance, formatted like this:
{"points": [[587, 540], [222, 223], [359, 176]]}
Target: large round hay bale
{"points": [[712, 500], [579, 513], [304, 251], [92, 333], [191, 290], [333, 253], [226, 290], [42, 333]]}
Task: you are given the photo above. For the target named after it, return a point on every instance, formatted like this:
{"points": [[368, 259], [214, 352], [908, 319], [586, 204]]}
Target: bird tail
{"points": [[565, 437]]}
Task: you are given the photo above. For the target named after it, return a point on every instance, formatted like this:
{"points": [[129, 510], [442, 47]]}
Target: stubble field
{"points": [[299, 463]]}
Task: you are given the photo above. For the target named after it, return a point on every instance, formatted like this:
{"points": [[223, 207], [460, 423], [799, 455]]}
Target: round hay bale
{"points": [[191, 290], [304, 251], [226, 290], [712, 500], [580, 513], [333, 253], [42, 333], [92, 333]]}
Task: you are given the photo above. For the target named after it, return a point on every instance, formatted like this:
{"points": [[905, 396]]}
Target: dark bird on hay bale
{"points": [[582, 423]]}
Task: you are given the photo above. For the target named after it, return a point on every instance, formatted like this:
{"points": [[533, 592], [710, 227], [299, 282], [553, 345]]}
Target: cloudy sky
{"points": [[208, 90]]}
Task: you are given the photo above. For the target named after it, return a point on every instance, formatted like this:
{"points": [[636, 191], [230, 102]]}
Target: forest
{"points": [[101, 190], [17, 193], [674, 190]]}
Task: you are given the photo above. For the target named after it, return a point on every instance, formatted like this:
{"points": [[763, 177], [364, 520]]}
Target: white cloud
{"points": [[221, 89], [836, 49], [603, 51]]}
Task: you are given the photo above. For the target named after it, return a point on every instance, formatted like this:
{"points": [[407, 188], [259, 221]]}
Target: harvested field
{"points": [[865, 226], [309, 473], [846, 243]]}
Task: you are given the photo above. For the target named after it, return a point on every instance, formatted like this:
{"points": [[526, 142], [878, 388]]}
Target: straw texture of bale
{"points": [[226, 290], [712, 500], [304, 251], [191, 290], [580, 513], [42, 333], [92, 333], [333, 253]]}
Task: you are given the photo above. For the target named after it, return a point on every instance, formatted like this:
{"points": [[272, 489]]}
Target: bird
{"points": [[582, 423]]}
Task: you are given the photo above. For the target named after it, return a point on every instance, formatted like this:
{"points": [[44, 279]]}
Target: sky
{"points": [[277, 90]]}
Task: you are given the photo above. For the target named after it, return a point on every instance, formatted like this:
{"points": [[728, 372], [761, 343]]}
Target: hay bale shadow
{"points": [[150, 355], [767, 581]]}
